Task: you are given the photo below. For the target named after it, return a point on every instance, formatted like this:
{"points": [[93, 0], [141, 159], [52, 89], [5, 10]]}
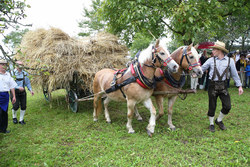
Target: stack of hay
{"points": [[57, 56]]}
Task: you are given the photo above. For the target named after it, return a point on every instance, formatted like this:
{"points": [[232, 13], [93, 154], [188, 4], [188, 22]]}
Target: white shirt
{"points": [[237, 57], [6, 82], [221, 65]]}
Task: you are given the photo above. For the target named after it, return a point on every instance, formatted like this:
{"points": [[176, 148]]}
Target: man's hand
{"points": [[240, 90], [13, 100], [32, 93]]}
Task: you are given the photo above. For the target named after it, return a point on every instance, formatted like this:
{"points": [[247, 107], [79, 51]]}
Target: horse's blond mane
{"points": [[145, 54]]}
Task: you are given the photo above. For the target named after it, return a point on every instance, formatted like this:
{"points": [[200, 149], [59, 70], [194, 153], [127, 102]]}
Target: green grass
{"points": [[55, 136]]}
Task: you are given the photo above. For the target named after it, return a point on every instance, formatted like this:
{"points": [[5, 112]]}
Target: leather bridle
{"points": [[190, 66], [155, 57]]}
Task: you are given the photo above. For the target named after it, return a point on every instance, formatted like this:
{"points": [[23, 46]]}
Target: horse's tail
{"points": [[99, 106], [97, 99]]}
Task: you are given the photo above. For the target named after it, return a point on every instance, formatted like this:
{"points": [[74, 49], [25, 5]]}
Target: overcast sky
{"points": [[63, 14]]}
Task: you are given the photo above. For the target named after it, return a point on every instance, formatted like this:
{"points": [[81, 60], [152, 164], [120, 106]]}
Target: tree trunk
{"points": [[243, 42]]}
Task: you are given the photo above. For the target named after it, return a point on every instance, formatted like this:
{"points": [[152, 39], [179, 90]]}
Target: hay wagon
{"points": [[74, 92], [69, 63]]}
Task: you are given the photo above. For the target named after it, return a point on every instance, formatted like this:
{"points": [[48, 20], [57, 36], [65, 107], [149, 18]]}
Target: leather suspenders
{"points": [[216, 72]]}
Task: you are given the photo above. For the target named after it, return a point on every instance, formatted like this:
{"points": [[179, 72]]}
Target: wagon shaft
{"points": [[174, 92]]}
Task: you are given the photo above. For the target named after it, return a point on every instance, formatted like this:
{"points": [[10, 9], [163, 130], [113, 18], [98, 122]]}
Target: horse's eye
{"points": [[191, 57], [162, 53]]}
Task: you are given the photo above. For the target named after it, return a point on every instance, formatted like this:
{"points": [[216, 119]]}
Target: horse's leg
{"points": [[105, 103], [171, 101], [131, 107], [97, 107], [159, 103], [151, 126], [138, 116]]}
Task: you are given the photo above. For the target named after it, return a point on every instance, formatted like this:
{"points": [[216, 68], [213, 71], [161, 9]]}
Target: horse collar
{"points": [[140, 78], [168, 79]]}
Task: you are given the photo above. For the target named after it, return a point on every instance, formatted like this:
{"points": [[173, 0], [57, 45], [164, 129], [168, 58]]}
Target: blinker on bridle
{"points": [[190, 66], [155, 57]]}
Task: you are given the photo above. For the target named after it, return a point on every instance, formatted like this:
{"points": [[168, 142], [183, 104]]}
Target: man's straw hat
{"points": [[2, 61], [220, 45]]}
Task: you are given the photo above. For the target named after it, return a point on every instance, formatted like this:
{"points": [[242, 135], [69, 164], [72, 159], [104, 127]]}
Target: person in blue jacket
{"points": [[247, 70], [22, 81]]}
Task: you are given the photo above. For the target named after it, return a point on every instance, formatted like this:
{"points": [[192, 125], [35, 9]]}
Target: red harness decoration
{"points": [[165, 80], [167, 61], [137, 80], [120, 71]]}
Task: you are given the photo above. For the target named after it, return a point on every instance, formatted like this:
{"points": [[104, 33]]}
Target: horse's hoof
{"points": [[131, 132], [95, 120], [173, 129], [140, 119], [150, 134], [109, 122], [158, 118]]}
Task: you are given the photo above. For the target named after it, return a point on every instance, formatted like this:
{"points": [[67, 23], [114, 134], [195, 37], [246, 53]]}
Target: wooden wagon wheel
{"points": [[72, 100], [46, 94]]}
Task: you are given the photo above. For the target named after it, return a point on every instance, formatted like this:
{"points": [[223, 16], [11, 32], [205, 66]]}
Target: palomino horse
{"points": [[135, 85], [188, 59]]}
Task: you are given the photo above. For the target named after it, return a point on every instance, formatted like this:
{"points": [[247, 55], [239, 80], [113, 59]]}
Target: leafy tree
{"points": [[11, 12], [90, 24], [140, 42], [182, 18], [13, 39]]}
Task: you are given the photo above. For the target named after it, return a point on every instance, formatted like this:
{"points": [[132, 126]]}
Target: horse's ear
{"points": [[190, 46], [157, 43], [196, 46]]}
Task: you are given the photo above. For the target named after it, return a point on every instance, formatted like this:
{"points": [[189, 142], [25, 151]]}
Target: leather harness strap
{"points": [[138, 77], [168, 79]]}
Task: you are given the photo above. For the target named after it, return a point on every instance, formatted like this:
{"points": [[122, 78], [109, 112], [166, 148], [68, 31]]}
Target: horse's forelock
{"points": [[147, 53], [164, 46]]}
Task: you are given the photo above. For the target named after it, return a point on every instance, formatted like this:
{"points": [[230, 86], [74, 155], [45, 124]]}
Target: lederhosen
{"points": [[21, 97], [219, 89]]}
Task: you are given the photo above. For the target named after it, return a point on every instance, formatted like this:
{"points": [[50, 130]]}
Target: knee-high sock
{"points": [[220, 117], [14, 112], [211, 120], [22, 112]]}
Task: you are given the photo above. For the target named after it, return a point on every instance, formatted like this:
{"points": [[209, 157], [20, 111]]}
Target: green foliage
{"points": [[184, 19], [13, 39], [11, 11], [54, 136], [140, 42], [90, 24]]}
